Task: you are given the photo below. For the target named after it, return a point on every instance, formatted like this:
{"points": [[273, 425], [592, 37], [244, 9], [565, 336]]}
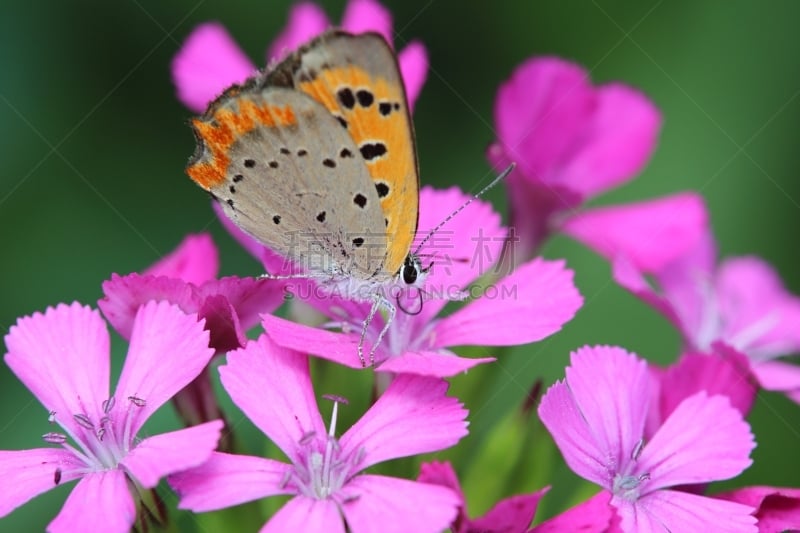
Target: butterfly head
{"points": [[412, 273]]}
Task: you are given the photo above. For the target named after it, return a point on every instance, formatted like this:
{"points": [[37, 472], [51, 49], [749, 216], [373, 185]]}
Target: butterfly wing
{"points": [[288, 174], [356, 77]]}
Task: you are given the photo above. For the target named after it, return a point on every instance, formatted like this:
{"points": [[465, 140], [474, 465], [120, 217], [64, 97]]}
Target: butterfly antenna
{"points": [[463, 206]]}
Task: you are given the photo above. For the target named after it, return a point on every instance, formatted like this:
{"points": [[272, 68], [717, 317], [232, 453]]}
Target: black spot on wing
{"points": [[360, 200], [365, 98], [346, 98], [382, 188], [371, 151]]}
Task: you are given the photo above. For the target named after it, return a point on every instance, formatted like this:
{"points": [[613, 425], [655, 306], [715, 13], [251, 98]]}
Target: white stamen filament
{"points": [[96, 444], [323, 473], [626, 484]]}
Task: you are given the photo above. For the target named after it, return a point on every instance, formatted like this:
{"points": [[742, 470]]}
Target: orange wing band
{"points": [[224, 128]]}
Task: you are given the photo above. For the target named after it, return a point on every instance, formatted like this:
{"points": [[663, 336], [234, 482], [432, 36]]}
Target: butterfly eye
{"points": [[411, 269]]}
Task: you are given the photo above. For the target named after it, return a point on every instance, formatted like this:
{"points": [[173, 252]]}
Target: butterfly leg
{"points": [[380, 300], [367, 321], [377, 301]]}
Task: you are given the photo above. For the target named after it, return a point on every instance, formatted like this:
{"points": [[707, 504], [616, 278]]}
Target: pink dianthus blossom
{"points": [[572, 141], [187, 278], [62, 356], [739, 302], [272, 386], [597, 418]]}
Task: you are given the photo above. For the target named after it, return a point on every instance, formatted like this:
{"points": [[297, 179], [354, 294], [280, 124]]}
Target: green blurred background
{"points": [[94, 144]]}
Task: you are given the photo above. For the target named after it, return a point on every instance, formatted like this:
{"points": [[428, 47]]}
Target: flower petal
{"points": [[361, 16], [562, 418], [594, 420], [340, 348], [168, 349], [687, 284], [99, 502], [413, 416], [306, 21], [307, 515], [633, 280], [725, 372], [62, 357], [530, 304], [207, 63], [442, 473], [649, 234], [33, 472], [225, 330], [618, 141], [124, 295], [611, 387], [669, 510], [777, 376], [511, 514], [463, 249], [432, 364], [195, 260], [160, 455], [760, 316], [592, 516], [413, 62], [226, 480], [383, 504], [272, 386], [776, 508], [541, 114], [249, 297], [703, 440]]}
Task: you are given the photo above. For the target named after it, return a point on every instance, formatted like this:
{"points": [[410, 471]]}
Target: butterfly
{"points": [[315, 158]]}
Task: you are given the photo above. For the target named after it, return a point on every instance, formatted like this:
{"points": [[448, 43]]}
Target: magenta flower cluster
{"points": [[650, 438]]}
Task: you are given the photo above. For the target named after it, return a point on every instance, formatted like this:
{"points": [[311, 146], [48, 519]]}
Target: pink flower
{"points": [[740, 302], [187, 277], [510, 515], [210, 61], [571, 141], [272, 386], [776, 508], [62, 356], [597, 419], [526, 306]]}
